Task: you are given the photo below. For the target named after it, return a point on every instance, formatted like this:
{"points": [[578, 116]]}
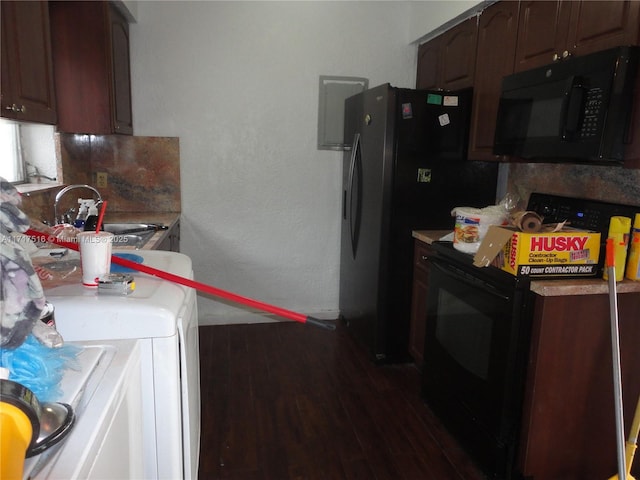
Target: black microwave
{"points": [[577, 110]]}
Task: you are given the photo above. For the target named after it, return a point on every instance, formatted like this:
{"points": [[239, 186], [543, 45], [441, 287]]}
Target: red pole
{"points": [[217, 292]]}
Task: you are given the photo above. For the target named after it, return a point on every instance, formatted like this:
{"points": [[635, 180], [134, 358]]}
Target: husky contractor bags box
{"points": [[546, 254]]}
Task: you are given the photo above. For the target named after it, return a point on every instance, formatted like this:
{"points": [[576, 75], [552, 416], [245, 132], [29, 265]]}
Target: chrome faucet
{"points": [[66, 189]]}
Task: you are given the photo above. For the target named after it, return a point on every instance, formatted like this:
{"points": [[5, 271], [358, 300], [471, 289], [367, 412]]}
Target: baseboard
{"points": [[255, 317]]}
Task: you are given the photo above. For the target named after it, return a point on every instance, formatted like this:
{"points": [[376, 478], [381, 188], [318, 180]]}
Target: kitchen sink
{"points": [[127, 228], [136, 241], [134, 235]]}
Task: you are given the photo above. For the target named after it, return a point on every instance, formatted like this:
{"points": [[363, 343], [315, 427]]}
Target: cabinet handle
{"points": [[424, 258], [563, 56], [15, 108]]}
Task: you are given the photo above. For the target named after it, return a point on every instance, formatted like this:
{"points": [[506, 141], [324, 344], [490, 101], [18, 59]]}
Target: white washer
{"points": [[163, 316], [105, 440]]}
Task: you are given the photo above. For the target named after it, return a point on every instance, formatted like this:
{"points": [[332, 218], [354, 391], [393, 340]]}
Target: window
{"points": [[12, 165], [27, 152]]}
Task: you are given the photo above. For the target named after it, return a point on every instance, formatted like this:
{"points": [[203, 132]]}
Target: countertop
{"points": [[555, 287], [430, 236], [66, 270]]}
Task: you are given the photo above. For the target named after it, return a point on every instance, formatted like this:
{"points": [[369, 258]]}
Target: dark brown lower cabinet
{"points": [[421, 254], [569, 415], [171, 241]]}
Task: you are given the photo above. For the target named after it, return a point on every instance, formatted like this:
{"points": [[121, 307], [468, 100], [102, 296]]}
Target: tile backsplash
{"points": [[605, 183], [143, 174]]}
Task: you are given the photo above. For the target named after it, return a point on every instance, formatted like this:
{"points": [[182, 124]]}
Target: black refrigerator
{"points": [[405, 171]]}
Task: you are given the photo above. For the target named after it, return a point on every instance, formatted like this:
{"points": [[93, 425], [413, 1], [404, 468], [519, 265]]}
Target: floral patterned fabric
{"points": [[21, 295]]}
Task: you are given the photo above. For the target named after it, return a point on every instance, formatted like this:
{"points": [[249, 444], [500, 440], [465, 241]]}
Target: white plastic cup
{"points": [[95, 256]]}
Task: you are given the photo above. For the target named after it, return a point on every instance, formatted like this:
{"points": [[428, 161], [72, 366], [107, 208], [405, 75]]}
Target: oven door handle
{"points": [[468, 279]]}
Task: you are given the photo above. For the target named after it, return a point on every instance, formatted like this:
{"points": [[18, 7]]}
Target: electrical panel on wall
{"points": [[333, 92]]}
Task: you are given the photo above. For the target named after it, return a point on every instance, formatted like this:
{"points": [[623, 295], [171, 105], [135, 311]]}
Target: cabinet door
{"points": [[96, 98], [27, 81], [428, 77], [120, 63], [421, 254], [497, 35], [549, 31], [171, 242], [543, 31], [598, 25], [448, 61], [458, 51], [568, 424]]}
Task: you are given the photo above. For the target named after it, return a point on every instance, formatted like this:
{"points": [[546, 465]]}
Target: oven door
{"points": [[476, 345]]}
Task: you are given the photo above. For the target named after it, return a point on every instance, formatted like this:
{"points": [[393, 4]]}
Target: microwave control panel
{"points": [[592, 106]]}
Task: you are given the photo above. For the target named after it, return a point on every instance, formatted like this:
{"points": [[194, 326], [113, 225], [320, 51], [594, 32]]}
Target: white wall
{"points": [[429, 16], [237, 82]]}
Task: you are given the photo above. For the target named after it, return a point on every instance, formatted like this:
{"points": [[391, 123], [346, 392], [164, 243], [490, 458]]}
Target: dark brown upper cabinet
{"points": [[600, 25], [553, 31], [448, 61], [90, 45], [517, 36], [27, 89], [543, 33], [497, 34], [429, 73]]}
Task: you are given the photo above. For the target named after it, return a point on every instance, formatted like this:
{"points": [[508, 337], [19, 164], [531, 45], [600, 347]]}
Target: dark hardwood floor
{"points": [[289, 401]]}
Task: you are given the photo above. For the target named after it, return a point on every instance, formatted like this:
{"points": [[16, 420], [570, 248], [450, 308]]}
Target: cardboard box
{"points": [[565, 253]]}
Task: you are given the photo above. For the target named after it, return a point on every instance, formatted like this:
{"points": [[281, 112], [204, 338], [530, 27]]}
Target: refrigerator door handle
{"points": [[346, 207], [355, 175]]}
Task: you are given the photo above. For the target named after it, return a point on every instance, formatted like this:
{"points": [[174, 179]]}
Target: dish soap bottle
{"points": [[92, 219], [83, 211]]}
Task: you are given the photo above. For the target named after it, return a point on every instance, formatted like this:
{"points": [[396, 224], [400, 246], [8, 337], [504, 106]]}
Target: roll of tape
{"points": [[527, 221]]}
